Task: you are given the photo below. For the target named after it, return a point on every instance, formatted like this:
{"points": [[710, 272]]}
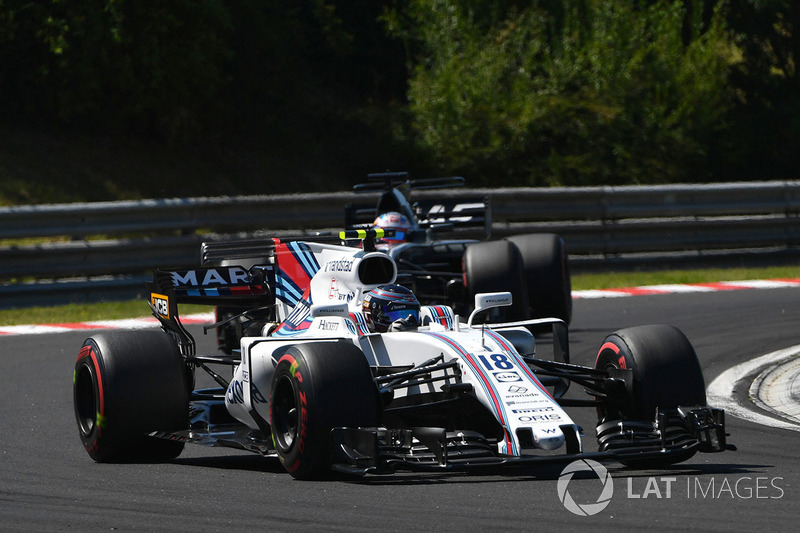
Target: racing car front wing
{"points": [[380, 451]]}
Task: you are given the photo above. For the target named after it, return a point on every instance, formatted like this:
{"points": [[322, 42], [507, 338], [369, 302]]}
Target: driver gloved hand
{"points": [[404, 324]]}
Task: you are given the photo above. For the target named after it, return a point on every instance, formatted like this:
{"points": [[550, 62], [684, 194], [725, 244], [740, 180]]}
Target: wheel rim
{"points": [[86, 404], [603, 411], [285, 414]]}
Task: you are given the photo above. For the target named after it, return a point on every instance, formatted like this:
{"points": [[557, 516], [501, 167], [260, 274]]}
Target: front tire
{"points": [[127, 384], [666, 374], [315, 388]]}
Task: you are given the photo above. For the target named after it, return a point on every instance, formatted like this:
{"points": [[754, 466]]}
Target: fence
{"points": [[85, 248]]}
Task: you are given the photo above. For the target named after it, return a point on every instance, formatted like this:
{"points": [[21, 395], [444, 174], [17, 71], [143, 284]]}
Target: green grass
{"points": [[139, 308], [85, 312]]}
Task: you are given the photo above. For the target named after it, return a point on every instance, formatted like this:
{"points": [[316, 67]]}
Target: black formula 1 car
{"points": [[320, 390], [533, 267]]}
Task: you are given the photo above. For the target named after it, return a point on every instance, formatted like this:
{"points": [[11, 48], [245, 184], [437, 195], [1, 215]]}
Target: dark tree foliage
{"points": [[765, 126], [165, 67], [150, 67], [578, 92], [525, 92]]}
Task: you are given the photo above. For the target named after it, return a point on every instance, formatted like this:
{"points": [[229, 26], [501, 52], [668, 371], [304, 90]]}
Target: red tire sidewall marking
{"points": [[607, 346], [88, 351], [294, 370]]}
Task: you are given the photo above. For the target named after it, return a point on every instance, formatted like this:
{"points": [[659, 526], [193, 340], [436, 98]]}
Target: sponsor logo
{"points": [[334, 290], [520, 399], [334, 294], [533, 410], [521, 396], [160, 304], [505, 377], [441, 209], [327, 325], [339, 265], [330, 310], [211, 276], [235, 393], [536, 419]]}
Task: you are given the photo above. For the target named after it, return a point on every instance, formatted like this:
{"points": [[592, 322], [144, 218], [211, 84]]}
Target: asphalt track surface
{"points": [[49, 483]]}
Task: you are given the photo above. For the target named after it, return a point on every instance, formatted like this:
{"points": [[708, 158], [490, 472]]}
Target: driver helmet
{"points": [[396, 221], [388, 303]]}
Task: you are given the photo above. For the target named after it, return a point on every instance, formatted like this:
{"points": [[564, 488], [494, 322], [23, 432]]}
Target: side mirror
{"points": [[489, 300]]}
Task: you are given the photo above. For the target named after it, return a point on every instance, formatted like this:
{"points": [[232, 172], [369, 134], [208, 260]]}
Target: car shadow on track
{"points": [[545, 472], [250, 463], [692, 470]]}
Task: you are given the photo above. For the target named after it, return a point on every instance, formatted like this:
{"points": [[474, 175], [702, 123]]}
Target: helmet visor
{"points": [[399, 236], [402, 314]]}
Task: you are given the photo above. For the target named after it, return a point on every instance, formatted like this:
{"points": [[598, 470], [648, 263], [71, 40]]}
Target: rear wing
{"points": [[461, 213], [218, 285], [383, 181]]}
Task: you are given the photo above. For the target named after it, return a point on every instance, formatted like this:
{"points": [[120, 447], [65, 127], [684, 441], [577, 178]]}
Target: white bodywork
{"points": [[500, 378]]}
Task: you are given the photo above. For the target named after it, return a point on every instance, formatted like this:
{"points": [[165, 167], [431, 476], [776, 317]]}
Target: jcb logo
{"points": [[160, 304]]}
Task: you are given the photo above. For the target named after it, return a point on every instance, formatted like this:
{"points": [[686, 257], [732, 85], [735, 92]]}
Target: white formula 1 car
{"points": [[320, 391]]}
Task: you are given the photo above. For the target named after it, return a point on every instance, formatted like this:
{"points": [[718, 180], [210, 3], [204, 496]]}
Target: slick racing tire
{"points": [[126, 385], [315, 388], [496, 266], [544, 259], [666, 374]]}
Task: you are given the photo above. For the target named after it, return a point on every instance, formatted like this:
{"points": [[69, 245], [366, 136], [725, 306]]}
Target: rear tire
{"points": [[315, 388], [544, 258], [666, 374], [496, 266], [127, 384]]}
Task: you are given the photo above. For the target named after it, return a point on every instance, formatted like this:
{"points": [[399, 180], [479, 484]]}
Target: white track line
{"points": [[722, 391], [776, 389]]}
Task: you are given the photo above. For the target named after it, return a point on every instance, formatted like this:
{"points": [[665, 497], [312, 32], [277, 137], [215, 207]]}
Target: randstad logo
{"points": [[605, 493]]}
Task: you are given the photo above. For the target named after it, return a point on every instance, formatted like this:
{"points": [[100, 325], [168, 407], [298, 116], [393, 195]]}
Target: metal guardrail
{"points": [[601, 226]]}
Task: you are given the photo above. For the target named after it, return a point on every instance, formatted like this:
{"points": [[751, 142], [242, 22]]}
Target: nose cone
{"points": [[550, 438]]}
